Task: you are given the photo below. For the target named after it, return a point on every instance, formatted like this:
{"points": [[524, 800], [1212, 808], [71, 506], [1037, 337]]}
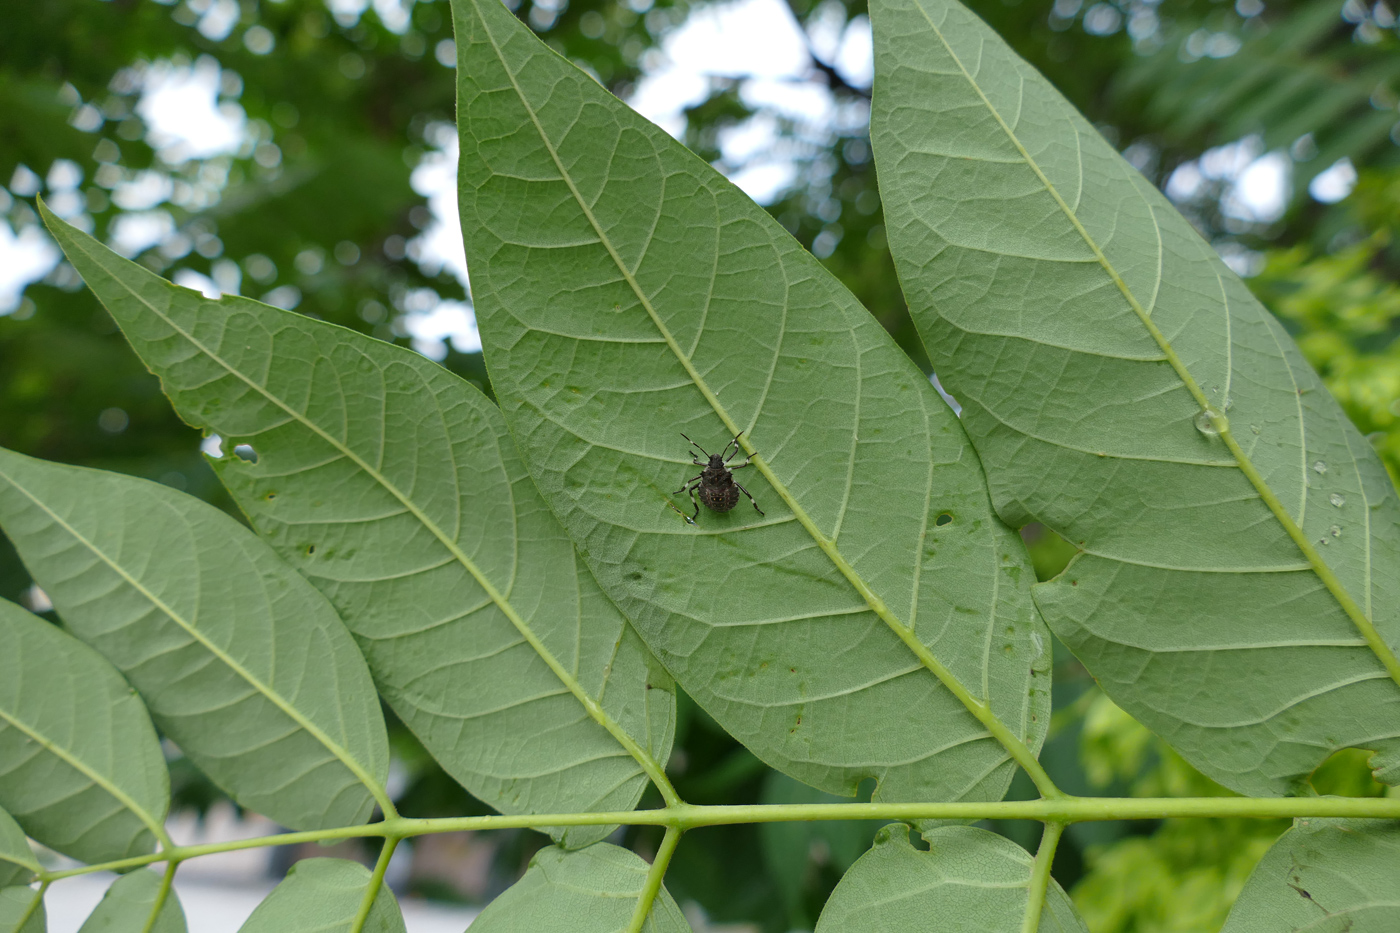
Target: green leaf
{"points": [[875, 621], [393, 485], [22, 911], [324, 895], [241, 662], [17, 862], [971, 879], [1327, 876], [127, 907], [81, 770], [1238, 589], [593, 890]]}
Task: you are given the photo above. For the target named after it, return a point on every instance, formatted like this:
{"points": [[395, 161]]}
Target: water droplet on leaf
{"points": [[1337, 499], [1211, 422], [1335, 531], [1319, 466]]}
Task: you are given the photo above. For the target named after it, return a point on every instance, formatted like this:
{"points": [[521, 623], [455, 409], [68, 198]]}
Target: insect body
{"points": [[715, 483]]}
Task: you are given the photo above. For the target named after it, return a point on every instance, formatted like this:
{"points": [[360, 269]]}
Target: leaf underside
{"points": [[241, 662], [971, 879], [593, 890], [393, 486], [626, 293], [17, 862], [1085, 326], [1326, 876], [323, 895], [127, 906], [81, 770], [16, 903]]}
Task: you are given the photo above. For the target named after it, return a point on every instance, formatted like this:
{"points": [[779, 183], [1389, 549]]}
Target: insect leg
{"points": [[687, 483], [746, 492], [697, 505], [726, 455]]}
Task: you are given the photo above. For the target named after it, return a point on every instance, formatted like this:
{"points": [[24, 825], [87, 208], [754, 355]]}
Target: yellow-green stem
{"points": [[376, 881], [652, 886], [162, 896], [1063, 809], [34, 903], [1040, 876]]}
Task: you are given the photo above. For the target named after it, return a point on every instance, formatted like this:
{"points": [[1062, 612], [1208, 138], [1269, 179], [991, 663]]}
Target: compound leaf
{"points": [[970, 879], [1326, 876], [17, 862], [324, 895], [242, 663], [1238, 589], [593, 890], [127, 906], [393, 486], [81, 770], [874, 622]]}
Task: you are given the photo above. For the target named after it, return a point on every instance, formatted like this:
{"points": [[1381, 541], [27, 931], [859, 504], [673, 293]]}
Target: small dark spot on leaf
{"points": [[792, 670], [270, 496], [310, 549], [1074, 583]]}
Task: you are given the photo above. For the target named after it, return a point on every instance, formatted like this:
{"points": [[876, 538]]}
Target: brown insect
{"points": [[715, 483]]}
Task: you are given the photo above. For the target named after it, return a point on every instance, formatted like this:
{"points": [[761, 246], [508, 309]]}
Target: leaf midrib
{"points": [[351, 763], [1324, 572], [77, 764], [1013, 744], [595, 711]]}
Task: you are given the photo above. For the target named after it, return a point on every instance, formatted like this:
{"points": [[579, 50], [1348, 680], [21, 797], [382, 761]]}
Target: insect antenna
{"points": [[697, 446]]}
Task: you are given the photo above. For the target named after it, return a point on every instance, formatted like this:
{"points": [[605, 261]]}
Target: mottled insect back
{"points": [[715, 483]]}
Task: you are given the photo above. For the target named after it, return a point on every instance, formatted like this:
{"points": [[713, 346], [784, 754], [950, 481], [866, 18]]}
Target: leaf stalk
{"points": [[655, 874], [376, 881], [1040, 876], [1065, 809]]}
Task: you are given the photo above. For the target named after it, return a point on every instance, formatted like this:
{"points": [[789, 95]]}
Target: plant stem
{"points": [[34, 903], [647, 897], [1040, 876], [161, 896], [376, 881], [687, 816]]}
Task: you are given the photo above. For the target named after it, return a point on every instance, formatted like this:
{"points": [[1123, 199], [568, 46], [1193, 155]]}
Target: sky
{"points": [[191, 114]]}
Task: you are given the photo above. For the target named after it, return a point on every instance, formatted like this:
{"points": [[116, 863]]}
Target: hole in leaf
{"points": [[246, 453], [310, 549], [943, 519]]}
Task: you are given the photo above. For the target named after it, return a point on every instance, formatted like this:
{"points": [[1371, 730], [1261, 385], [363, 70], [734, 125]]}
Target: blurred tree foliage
{"points": [[315, 207]]}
